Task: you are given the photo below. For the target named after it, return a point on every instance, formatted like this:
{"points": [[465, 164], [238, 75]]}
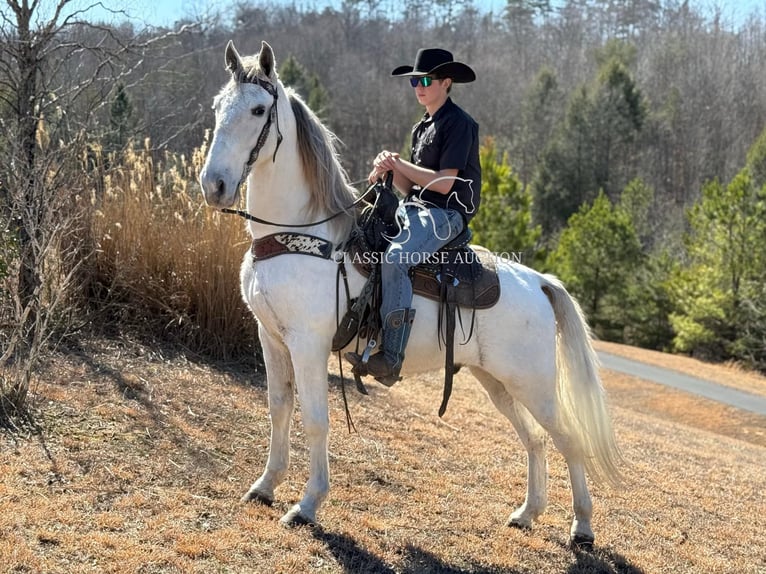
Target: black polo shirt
{"points": [[449, 140]]}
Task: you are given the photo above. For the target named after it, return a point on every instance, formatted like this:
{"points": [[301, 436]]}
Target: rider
{"points": [[441, 184]]}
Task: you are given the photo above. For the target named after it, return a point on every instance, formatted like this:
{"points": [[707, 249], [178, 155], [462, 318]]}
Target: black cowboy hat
{"points": [[437, 62]]}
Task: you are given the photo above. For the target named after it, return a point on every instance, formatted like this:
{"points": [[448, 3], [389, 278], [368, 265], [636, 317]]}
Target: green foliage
{"points": [[648, 304], [504, 220], [719, 293], [756, 160], [564, 179], [293, 74], [637, 199], [121, 122], [540, 111], [597, 257], [616, 51], [318, 98], [592, 149]]}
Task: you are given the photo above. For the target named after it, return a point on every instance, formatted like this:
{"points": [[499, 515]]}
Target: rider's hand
{"points": [[386, 161]]}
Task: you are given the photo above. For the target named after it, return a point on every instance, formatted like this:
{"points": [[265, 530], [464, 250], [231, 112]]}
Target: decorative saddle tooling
{"points": [[457, 276]]}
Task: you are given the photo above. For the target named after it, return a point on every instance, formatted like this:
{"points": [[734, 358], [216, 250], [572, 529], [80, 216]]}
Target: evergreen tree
{"points": [[646, 303], [564, 177], [318, 99], [637, 199], [539, 115], [597, 255], [756, 161], [293, 74], [121, 124], [592, 149], [719, 293], [504, 220]]}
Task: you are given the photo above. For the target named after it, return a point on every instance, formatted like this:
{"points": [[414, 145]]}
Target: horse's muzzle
{"points": [[217, 190]]}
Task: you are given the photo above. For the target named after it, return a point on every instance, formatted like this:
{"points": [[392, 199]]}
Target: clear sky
{"points": [[166, 12]]}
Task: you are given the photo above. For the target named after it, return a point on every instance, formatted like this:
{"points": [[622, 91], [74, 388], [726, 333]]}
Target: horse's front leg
{"points": [[279, 376], [310, 364]]}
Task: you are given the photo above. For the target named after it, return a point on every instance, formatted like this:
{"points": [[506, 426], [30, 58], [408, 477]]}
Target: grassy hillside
{"points": [[145, 456]]}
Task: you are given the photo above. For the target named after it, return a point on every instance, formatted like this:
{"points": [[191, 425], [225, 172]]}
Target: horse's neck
{"points": [[278, 194]]}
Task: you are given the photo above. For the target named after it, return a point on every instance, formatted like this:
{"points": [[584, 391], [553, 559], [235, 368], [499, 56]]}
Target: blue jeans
{"points": [[424, 230]]}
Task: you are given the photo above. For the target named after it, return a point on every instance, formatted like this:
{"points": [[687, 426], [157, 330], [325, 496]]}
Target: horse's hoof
{"points": [[255, 496], [295, 518], [515, 523], [581, 542]]}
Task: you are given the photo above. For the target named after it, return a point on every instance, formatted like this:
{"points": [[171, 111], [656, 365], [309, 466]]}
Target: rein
{"points": [[256, 219]]}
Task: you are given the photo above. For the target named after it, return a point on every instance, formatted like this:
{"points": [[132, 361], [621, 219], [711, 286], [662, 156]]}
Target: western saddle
{"points": [[457, 277]]}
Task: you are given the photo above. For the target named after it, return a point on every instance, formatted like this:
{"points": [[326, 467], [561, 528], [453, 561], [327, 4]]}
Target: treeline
{"points": [[614, 128], [584, 94], [621, 151]]}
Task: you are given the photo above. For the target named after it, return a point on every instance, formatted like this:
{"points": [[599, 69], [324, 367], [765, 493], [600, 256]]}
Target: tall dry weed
{"points": [[164, 261]]}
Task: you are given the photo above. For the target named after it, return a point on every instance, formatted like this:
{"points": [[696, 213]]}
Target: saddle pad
{"points": [[481, 293]]}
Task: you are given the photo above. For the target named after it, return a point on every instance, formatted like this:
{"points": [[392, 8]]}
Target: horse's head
{"points": [[246, 124]]}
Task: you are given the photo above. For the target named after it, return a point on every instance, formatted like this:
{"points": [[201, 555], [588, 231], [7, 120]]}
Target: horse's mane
{"points": [[328, 180]]}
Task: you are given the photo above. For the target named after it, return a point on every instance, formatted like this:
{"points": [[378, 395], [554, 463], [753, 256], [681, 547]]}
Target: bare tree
{"points": [[56, 70]]}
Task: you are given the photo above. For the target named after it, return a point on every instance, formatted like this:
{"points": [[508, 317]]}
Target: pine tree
{"points": [[121, 124], [597, 254], [592, 149], [539, 116], [504, 221], [718, 294], [318, 99], [293, 74]]}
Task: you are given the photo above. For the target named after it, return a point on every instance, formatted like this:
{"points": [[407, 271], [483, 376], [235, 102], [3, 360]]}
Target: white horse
{"points": [[531, 352]]}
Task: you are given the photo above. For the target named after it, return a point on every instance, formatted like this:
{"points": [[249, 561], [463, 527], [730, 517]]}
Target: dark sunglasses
{"points": [[424, 81]]}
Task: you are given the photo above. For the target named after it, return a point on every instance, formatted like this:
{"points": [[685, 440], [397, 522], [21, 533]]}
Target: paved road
{"points": [[708, 389]]}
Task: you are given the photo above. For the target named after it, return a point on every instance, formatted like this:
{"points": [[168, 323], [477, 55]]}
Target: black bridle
{"points": [[272, 90]]}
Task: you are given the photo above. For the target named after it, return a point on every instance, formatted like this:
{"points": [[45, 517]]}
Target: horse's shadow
{"points": [[601, 561], [356, 560]]}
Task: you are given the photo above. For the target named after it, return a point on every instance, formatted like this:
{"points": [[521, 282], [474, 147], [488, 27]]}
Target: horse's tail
{"points": [[582, 401]]}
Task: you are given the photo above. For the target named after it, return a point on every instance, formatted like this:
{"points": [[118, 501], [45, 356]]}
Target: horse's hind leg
{"points": [[532, 432], [545, 412], [532, 437], [279, 374], [581, 534]]}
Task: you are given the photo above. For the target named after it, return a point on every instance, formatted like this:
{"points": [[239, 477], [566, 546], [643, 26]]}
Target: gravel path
{"points": [[704, 388]]}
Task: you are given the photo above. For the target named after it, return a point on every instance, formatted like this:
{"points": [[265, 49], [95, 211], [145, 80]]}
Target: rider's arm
{"points": [[410, 174], [407, 174]]}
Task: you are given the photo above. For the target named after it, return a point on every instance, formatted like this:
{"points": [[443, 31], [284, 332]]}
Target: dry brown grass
{"points": [[145, 457], [168, 262]]}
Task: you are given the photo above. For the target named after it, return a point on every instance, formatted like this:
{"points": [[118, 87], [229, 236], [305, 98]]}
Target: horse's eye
{"points": [[258, 111]]}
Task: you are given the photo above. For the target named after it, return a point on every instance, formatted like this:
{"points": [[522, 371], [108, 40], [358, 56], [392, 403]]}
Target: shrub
{"points": [[164, 263]]}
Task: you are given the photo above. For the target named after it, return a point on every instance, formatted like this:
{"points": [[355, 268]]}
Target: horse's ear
{"points": [[233, 61], [266, 60]]}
